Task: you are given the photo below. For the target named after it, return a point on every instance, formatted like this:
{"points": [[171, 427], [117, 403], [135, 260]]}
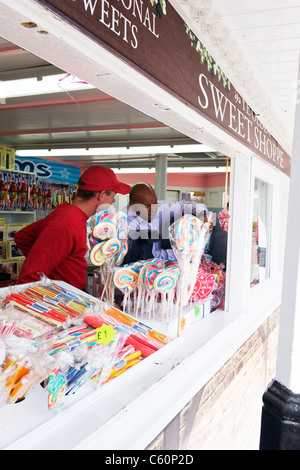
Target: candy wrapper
{"points": [[139, 335], [210, 284], [224, 217], [188, 237], [80, 354], [47, 306], [24, 367]]}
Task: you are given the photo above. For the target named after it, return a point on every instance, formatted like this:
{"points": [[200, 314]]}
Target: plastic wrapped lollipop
{"points": [[123, 250], [165, 283], [188, 245], [96, 255], [104, 230], [142, 286], [104, 216], [150, 276], [121, 225], [125, 279]]}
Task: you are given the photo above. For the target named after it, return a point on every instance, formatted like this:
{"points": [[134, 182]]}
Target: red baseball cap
{"points": [[100, 178]]}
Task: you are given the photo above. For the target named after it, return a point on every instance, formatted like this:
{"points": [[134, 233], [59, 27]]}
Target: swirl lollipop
{"points": [[122, 252], [111, 247], [96, 255], [187, 233], [186, 236], [104, 230], [104, 216], [150, 276], [159, 263], [126, 280], [120, 218], [122, 232], [165, 283]]}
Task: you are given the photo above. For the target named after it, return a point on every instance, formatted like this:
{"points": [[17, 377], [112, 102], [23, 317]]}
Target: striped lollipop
{"points": [[187, 233], [96, 255], [165, 281], [125, 279], [122, 252], [104, 216], [104, 230], [110, 247]]}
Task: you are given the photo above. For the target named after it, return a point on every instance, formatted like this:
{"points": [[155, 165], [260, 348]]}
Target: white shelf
{"points": [[22, 217]]}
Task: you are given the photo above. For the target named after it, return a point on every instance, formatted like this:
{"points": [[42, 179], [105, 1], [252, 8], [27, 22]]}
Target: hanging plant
{"points": [[161, 7], [206, 58]]}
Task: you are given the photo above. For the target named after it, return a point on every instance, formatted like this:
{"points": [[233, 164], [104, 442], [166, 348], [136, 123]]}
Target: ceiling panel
{"points": [[87, 118]]}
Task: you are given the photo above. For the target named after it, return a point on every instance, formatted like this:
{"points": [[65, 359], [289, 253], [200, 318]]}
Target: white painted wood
{"points": [[289, 336]]}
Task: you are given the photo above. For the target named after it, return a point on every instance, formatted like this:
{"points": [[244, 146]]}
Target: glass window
{"points": [[261, 232]]}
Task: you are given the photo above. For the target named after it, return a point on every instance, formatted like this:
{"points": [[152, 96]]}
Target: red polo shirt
{"points": [[56, 247]]}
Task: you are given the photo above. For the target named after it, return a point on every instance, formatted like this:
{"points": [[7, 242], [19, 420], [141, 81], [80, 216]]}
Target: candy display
{"points": [[64, 340], [48, 303], [107, 245], [148, 286], [24, 191]]}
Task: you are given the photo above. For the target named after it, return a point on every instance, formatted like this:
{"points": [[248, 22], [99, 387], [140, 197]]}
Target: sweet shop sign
{"points": [[152, 38]]}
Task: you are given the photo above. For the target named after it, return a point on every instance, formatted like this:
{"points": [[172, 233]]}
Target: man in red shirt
{"points": [[56, 245]]}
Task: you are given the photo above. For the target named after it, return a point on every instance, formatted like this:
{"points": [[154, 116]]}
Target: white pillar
{"points": [[288, 359], [161, 164]]}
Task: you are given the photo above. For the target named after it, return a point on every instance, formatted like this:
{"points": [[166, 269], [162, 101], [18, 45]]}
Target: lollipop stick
{"points": [[179, 312], [163, 304]]}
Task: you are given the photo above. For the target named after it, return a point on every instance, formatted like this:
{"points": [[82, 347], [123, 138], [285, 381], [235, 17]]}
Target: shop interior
{"points": [[80, 126], [49, 114]]}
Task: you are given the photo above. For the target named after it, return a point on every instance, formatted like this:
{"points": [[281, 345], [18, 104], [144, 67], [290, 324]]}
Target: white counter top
{"points": [[131, 410]]}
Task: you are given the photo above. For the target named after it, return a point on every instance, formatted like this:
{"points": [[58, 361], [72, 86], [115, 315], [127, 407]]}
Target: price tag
{"points": [[105, 334]]}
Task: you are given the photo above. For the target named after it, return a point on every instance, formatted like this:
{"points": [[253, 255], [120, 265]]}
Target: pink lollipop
{"points": [[96, 255], [104, 230]]}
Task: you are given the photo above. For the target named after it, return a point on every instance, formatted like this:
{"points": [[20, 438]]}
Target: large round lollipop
{"points": [[96, 255]]}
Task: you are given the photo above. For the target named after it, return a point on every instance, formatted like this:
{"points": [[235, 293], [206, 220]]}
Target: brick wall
{"points": [[226, 412]]}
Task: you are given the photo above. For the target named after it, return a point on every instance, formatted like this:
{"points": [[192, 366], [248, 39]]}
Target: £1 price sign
{"points": [[105, 334]]}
